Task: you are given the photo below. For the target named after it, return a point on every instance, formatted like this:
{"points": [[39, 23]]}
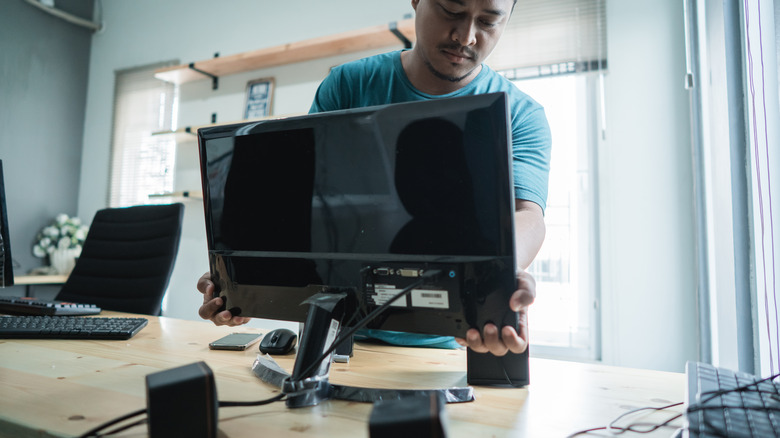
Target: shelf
{"points": [[189, 132], [187, 194], [376, 37]]}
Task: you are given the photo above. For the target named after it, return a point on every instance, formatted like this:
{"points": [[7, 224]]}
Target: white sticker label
{"points": [[435, 299], [384, 292], [333, 330]]}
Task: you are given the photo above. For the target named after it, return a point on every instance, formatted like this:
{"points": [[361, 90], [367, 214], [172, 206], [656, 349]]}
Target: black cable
{"points": [[128, 426], [746, 387], [93, 432], [424, 278], [222, 404], [230, 404]]}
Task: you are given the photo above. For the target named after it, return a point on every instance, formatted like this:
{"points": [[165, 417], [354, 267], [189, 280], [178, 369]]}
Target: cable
{"points": [[231, 404], [633, 427], [222, 404], [128, 426], [93, 432], [424, 278], [715, 394]]}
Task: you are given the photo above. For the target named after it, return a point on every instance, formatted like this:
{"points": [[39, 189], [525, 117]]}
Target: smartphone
{"points": [[235, 341]]}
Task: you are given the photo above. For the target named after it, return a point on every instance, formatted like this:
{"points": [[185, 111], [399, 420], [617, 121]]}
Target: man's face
{"points": [[455, 36]]}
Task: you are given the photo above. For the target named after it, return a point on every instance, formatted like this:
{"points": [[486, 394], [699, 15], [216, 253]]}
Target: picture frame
{"points": [[259, 98]]}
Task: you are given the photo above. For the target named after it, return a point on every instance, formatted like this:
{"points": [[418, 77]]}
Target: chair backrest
{"points": [[127, 259]]}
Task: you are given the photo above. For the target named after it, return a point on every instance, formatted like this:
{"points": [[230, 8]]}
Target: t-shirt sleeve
{"points": [[330, 93], [531, 145]]}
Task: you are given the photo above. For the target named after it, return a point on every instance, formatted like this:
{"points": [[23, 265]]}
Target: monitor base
{"points": [[267, 370]]}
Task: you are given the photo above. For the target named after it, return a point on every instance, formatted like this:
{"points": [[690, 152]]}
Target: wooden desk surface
{"points": [[66, 387]]}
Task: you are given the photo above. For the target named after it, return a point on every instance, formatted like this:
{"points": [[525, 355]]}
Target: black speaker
{"points": [[509, 370], [416, 416], [182, 402]]}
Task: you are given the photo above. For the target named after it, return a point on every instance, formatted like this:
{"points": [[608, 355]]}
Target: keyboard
{"points": [[69, 327], [35, 306], [725, 403]]}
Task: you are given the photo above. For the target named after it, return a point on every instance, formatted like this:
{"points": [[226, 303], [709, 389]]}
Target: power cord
{"points": [[425, 277], [94, 432], [633, 427], [222, 404]]}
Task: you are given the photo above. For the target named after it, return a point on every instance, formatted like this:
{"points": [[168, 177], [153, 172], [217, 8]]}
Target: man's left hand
{"points": [[509, 339]]}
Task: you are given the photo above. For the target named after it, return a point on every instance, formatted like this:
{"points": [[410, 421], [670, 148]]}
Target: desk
{"points": [[32, 280], [66, 387]]}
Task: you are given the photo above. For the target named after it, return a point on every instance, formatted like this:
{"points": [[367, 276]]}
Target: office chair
{"points": [[127, 259]]}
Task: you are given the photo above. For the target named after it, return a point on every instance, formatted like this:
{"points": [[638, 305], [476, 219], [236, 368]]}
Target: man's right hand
{"points": [[211, 305]]}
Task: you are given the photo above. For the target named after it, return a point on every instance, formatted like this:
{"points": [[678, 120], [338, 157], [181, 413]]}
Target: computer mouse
{"points": [[278, 341]]}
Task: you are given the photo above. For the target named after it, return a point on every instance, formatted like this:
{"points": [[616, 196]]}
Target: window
{"points": [[555, 51], [564, 318], [142, 163]]}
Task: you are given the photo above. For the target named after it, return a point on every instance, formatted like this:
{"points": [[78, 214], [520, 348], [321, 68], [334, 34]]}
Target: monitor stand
{"points": [[308, 385]]}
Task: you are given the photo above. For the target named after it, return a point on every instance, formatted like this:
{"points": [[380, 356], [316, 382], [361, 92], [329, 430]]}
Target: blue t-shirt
{"points": [[381, 79]]}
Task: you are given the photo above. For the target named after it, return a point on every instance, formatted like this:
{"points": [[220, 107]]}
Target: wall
{"points": [[648, 258], [43, 70]]}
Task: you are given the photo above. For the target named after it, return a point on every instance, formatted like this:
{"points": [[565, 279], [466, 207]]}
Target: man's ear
{"points": [[415, 3]]}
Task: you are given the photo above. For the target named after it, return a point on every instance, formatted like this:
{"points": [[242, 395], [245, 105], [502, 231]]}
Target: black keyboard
{"points": [[69, 327], [726, 403], [35, 306]]}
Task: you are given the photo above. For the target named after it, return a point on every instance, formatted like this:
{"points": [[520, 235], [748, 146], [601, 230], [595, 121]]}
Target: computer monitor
{"points": [[362, 202], [6, 263]]}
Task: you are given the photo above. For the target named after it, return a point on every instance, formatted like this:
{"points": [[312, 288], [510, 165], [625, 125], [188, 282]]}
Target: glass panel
{"points": [[563, 314]]}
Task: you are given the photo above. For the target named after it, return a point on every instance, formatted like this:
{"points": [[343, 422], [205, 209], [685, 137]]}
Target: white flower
{"points": [[81, 233], [63, 233], [38, 251]]}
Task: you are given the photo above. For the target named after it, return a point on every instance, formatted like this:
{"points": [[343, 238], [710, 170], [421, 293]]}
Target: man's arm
{"points": [[529, 231]]}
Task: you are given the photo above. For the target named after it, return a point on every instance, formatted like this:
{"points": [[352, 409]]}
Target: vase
{"points": [[63, 260]]}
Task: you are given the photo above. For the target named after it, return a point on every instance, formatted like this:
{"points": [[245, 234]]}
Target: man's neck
{"points": [[423, 79]]}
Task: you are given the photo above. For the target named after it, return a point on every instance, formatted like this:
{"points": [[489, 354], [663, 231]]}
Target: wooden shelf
{"points": [[376, 37], [186, 194], [189, 132]]}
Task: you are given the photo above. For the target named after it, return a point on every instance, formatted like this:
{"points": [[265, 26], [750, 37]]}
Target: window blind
{"points": [[553, 37], [142, 163]]}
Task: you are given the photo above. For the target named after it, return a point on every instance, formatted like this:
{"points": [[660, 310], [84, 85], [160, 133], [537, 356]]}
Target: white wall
{"points": [[645, 167], [647, 230]]}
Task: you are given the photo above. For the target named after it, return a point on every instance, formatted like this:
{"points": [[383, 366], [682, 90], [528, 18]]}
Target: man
{"points": [[454, 37]]}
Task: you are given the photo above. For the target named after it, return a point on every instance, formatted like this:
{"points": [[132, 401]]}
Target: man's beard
{"points": [[468, 52]]}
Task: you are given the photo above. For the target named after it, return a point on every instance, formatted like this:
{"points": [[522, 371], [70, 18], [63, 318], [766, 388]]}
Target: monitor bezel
{"points": [[7, 272]]}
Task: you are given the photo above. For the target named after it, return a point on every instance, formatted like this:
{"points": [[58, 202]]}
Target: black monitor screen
{"points": [[364, 200], [6, 263]]}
